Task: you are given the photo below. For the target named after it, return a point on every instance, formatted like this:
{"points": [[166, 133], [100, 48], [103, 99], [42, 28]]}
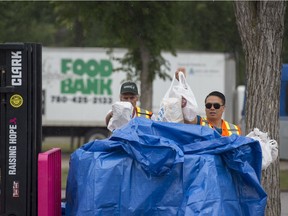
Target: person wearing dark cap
{"points": [[129, 93], [214, 108]]}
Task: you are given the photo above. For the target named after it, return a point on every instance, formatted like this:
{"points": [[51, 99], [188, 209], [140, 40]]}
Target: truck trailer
{"points": [[81, 84]]}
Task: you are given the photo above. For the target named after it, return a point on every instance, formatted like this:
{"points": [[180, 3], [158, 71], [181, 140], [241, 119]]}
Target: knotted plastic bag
{"points": [[122, 114], [170, 107], [170, 110], [269, 147], [191, 108]]}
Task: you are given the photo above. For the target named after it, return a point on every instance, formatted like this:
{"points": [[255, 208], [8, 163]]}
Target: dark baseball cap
{"points": [[129, 87]]}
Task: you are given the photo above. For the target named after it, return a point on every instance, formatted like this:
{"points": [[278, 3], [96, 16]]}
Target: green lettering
{"points": [[92, 85], [92, 68], [66, 86], [79, 67], [106, 86], [87, 86], [79, 86], [106, 68], [64, 65]]}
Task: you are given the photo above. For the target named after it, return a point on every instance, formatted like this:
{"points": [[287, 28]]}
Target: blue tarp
{"points": [[159, 168]]}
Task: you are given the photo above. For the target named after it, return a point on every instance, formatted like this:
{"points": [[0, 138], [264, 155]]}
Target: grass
{"points": [[64, 178], [284, 180], [65, 147]]}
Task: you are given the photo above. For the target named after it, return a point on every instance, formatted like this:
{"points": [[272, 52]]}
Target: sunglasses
{"points": [[215, 105]]}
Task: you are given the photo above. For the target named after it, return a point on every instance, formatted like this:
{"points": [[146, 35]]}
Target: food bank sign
{"points": [[89, 77]]}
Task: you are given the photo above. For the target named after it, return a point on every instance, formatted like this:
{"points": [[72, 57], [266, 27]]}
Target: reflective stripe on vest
{"points": [[143, 113], [227, 128]]}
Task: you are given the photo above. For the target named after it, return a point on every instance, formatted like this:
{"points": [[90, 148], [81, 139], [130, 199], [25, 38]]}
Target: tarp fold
{"points": [[160, 168]]}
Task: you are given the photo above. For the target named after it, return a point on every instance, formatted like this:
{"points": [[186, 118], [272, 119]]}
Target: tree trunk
{"points": [[78, 33], [261, 28], [146, 82]]}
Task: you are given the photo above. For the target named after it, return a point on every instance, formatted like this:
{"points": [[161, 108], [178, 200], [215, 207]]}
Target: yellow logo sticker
{"points": [[16, 100]]}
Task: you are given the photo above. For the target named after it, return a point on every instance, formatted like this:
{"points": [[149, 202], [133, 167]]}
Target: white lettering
{"points": [[12, 158], [12, 134], [16, 68]]}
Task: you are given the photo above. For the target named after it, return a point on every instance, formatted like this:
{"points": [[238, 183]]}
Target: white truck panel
{"points": [[206, 72], [76, 108]]}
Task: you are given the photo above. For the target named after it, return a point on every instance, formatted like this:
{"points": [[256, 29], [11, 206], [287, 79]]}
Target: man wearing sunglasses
{"points": [[214, 108]]}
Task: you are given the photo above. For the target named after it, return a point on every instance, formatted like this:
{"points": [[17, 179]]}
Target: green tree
{"points": [[261, 28], [76, 21], [27, 22], [209, 26], [151, 31], [144, 28]]}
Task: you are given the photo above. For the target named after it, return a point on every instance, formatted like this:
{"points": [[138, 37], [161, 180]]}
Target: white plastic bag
{"points": [[122, 114], [269, 147], [170, 107], [170, 110], [191, 109]]}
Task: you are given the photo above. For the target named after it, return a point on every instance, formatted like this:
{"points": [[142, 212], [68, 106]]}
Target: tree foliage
{"points": [[27, 22], [199, 26], [144, 28], [209, 26], [137, 24]]}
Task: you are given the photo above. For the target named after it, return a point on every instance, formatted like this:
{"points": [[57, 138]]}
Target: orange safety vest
{"points": [[227, 128], [143, 113]]}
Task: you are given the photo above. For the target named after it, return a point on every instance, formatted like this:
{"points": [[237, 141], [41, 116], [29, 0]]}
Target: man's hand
{"points": [[181, 69], [183, 102]]}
